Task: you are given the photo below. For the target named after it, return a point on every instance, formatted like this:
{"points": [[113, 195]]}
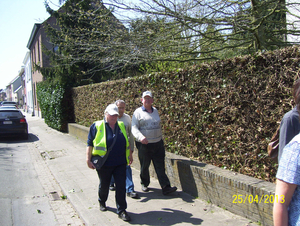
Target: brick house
{"points": [[38, 38]]}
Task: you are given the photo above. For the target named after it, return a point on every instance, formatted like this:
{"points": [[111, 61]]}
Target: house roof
{"points": [[20, 87], [12, 81], [35, 29]]}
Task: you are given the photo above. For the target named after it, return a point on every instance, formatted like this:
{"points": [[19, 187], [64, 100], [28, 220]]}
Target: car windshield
{"points": [[8, 102], [8, 107], [10, 114]]}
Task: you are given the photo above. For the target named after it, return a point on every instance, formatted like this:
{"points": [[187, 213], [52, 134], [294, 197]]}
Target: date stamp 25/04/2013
{"points": [[256, 199]]}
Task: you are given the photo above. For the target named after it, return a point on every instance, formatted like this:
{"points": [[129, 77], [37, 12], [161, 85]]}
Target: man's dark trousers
{"points": [[156, 153]]}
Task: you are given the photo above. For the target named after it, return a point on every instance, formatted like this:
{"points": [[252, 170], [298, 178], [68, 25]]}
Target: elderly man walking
{"points": [[125, 118], [147, 131]]}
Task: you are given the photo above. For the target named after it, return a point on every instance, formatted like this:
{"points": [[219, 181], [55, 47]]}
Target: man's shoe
{"points": [[103, 207], [112, 187], [124, 216], [133, 195], [145, 189], [168, 189]]}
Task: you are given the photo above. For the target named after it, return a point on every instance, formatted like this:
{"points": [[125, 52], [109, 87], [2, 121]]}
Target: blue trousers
{"points": [[129, 182], [105, 174]]}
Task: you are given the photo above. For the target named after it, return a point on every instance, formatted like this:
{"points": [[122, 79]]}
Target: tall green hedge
{"points": [[55, 105], [222, 113]]}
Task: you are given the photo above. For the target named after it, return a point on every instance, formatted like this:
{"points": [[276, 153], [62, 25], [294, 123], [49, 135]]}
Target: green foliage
{"points": [[89, 41], [54, 105]]}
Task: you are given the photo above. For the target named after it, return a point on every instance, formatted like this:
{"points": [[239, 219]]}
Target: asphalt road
{"points": [[22, 197], [29, 194]]}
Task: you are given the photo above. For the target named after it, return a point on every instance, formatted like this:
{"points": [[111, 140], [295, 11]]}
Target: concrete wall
{"points": [[243, 195]]}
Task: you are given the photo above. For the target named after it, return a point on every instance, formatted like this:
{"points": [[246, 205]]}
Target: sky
{"points": [[17, 18]]}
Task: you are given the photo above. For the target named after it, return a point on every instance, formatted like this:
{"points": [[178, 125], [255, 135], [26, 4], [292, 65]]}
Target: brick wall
{"points": [[240, 194]]}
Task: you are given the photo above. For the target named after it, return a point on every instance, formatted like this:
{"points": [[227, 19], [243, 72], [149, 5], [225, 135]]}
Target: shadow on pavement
{"points": [[18, 139], [153, 194], [166, 216]]}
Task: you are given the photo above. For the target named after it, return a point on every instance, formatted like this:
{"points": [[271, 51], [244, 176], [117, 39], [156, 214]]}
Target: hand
{"points": [[144, 141], [90, 164], [130, 158]]}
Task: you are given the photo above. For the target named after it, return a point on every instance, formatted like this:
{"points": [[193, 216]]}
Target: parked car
{"points": [[4, 103], [8, 107], [13, 123]]}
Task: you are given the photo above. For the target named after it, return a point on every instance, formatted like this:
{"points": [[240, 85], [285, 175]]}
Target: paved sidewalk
{"points": [[65, 157], [63, 210]]}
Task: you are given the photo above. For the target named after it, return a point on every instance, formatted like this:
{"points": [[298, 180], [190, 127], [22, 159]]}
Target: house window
{"points": [[34, 92], [38, 46], [32, 57]]}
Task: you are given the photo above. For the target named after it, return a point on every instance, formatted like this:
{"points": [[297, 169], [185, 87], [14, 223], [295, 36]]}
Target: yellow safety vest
{"points": [[99, 141]]}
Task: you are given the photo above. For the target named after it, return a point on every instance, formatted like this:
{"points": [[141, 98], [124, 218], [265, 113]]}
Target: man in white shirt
{"points": [[125, 118], [147, 131]]}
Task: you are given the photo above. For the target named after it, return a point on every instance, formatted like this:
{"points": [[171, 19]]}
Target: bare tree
{"points": [[245, 26], [130, 34], [89, 36]]}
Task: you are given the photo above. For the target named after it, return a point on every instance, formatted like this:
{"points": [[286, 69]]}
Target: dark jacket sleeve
{"points": [[289, 128], [91, 135]]}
